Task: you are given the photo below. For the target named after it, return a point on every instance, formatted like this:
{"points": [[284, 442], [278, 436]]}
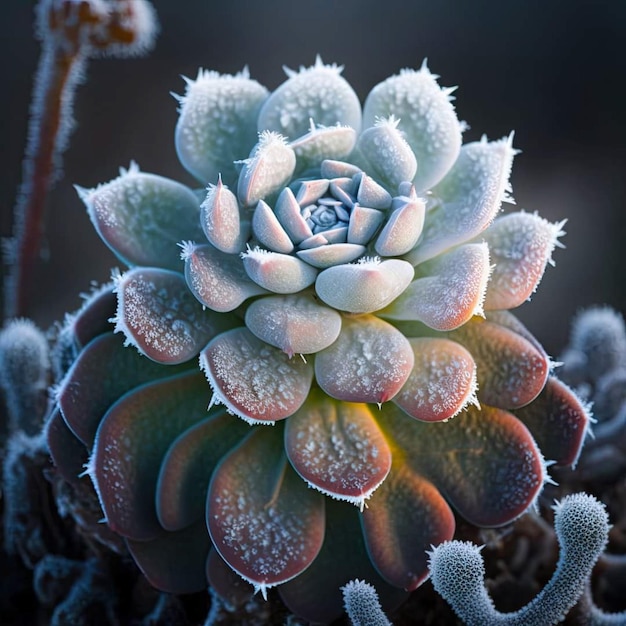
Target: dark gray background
{"points": [[553, 71]]}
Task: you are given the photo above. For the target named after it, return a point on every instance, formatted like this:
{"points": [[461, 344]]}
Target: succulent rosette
{"points": [[343, 283]]}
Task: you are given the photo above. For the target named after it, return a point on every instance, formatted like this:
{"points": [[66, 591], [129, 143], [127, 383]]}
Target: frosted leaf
{"points": [[323, 142], [221, 219], [296, 324], [427, 119], [442, 382], [370, 193], [447, 291], [276, 272], [332, 168], [319, 93], [217, 123], [365, 286], [67, 452], [255, 381], [484, 460], [520, 245], [403, 228], [337, 448], [287, 210], [328, 255], [369, 361], [268, 230], [310, 191], [511, 370], [103, 372], [139, 215], [129, 447], [558, 421], [160, 316], [217, 280], [389, 157], [269, 167], [188, 465], [263, 520], [363, 224], [174, 562], [470, 197], [403, 517]]}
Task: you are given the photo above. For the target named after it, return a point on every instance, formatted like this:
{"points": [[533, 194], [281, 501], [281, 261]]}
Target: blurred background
{"points": [[554, 71]]}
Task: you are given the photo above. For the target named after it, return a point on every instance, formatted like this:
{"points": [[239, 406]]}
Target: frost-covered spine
{"points": [[362, 605], [24, 374], [458, 571]]}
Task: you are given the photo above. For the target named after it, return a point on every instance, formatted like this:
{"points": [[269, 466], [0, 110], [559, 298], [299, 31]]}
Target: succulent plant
{"points": [[344, 284]]}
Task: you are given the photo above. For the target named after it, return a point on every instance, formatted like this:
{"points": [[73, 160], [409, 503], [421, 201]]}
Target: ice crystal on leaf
{"points": [[344, 286]]}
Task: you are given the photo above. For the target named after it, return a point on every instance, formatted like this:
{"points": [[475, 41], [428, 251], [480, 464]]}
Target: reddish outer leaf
{"points": [[508, 320], [511, 370], [160, 316], [337, 447], [174, 562], [68, 453], [256, 381], [187, 467], [404, 517], [369, 361], [130, 444], [442, 382], [93, 318], [263, 519], [484, 462], [558, 422], [315, 595], [103, 372], [231, 587]]}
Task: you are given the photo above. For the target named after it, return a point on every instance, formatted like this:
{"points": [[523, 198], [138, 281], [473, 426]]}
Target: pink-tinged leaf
{"points": [[315, 594], [174, 562], [287, 211], [442, 382], [337, 448], [216, 279], [370, 193], [447, 291], [254, 380], [520, 245], [331, 168], [470, 197], [220, 218], [296, 324], [369, 361], [405, 516], [364, 287], [269, 168], [484, 462], [511, 370], [403, 228], [508, 320], [130, 445], [280, 273], [94, 316], [363, 224], [139, 215], [326, 256], [268, 230], [323, 142], [224, 581], [103, 372], [188, 465], [68, 453], [263, 519], [160, 316], [558, 421]]}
